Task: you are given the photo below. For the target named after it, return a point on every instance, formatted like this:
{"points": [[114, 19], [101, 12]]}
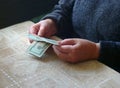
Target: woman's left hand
{"points": [[75, 50]]}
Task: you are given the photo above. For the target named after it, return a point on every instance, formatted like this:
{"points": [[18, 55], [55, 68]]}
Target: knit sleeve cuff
{"points": [[109, 52]]}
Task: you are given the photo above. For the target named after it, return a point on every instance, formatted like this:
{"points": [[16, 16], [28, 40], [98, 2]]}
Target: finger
{"points": [[65, 48], [67, 42], [41, 32], [60, 54], [34, 29], [30, 40]]}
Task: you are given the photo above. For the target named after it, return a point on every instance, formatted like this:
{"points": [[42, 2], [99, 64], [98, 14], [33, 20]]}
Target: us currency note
{"points": [[42, 39], [38, 48]]}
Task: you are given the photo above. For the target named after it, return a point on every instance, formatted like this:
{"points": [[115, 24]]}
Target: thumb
{"points": [[67, 42], [41, 31]]}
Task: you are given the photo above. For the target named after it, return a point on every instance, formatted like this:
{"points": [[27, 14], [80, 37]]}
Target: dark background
{"points": [[15, 11]]}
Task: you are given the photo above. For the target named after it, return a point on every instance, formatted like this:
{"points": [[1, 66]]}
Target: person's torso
{"points": [[97, 19]]}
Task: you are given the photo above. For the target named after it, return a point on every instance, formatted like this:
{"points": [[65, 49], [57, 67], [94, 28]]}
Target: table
{"points": [[18, 69]]}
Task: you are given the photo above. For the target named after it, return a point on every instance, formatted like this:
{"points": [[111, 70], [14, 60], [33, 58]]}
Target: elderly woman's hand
{"points": [[44, 28], [75, 50]]}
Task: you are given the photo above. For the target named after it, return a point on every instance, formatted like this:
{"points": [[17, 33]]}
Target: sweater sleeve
{"points": [[110, 54], [61, 14]]}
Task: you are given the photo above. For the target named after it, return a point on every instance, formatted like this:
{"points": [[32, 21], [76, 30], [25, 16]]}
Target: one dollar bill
{"points": [[42, 39], [38, 48]]}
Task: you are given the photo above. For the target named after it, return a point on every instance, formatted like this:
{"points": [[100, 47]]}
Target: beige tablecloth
{"points": [[18, 69]]}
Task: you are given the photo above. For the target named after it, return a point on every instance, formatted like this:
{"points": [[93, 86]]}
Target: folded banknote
{"points": [[40, 45], [42, 39], [38, 48]]}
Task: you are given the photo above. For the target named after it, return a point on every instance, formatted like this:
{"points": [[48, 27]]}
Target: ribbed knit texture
{"points": [[95, 20]]}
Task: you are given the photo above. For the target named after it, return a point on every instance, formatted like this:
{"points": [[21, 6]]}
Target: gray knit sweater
{"points": [[95, 20]]}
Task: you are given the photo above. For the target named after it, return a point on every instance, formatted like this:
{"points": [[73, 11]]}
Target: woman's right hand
{"points": [[44, 28]]}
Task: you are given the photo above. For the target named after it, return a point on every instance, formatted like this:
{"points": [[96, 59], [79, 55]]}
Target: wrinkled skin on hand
{"points": [[72, 50], [75, 50], [44, 28]]}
